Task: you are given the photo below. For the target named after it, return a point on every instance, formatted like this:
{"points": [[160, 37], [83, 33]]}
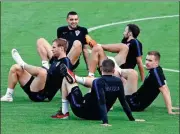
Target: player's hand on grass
{"points": [[106, 125], [139, 120]]}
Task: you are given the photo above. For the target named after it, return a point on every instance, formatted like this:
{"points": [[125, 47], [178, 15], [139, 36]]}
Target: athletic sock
{"points": [[91, 74], [80, 80], [65, 105], [9, 92], [45, 64]]}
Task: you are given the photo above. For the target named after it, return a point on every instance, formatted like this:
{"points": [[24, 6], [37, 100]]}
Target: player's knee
{"points": [[15, 68], [42, 72], [40, 42], [77, 44], [133, 73], [125, 47], [97, 48]]}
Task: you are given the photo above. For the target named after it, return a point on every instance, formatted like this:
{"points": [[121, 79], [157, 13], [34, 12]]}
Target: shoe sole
{"points": [[12, 53], [60, 118], [65, 73]]}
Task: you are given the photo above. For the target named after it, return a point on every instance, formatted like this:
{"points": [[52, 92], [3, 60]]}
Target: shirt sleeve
{"points": [[98, 87], [124, 104], [159, 76], [137, 48], [59, 32]]}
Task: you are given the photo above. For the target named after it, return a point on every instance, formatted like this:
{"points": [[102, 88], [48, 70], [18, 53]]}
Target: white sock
{"points": [[9, 92], [80, 80], [45, 64], [91, 74], [65, 105]]}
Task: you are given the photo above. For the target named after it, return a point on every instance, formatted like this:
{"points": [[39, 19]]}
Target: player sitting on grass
{"points": [[96, 104], [153, 84], [126, 75], [37, 82]]}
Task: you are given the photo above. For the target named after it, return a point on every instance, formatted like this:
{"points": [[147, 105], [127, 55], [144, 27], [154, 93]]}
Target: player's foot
{"points": [[68, 74], [17, 58], [6, 98], [60, 115], [90, 41]]}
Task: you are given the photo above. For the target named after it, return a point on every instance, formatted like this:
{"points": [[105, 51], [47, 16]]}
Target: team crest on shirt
{"points": [[58, 63], [77, 32]]}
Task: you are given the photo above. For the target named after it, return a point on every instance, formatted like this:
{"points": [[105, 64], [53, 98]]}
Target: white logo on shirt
{"points": [[77, 32], [58, 63]]}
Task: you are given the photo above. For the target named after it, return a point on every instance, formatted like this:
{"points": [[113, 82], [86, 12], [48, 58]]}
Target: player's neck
{"points": [[104, 73], [70, 28], [130, 38], [62, 56]]}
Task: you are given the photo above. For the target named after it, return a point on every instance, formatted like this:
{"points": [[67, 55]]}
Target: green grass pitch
{"points": [[22, 23]]}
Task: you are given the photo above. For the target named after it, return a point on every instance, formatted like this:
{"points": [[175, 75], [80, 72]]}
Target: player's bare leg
{"points": [[75, 51], [97, 57], [121, 49], [130, 80], [16, 74], [45, 51], [40, 73]]}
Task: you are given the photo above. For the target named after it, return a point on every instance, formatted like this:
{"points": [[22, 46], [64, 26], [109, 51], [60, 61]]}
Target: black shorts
{"points": [[76, 64], [134, 104], [34, 96], [83, 106]]}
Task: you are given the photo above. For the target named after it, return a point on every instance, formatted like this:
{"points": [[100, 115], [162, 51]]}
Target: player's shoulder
{"points": [[135, 41], [82, 28], [116, 79], [158, 70], [62, 28]]}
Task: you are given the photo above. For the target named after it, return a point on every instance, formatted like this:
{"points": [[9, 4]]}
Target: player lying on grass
{"points": [[127, 59], [96, 104], [153, 84], [38, 83]]}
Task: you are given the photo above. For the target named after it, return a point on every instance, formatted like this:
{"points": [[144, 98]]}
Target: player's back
{"points": [[112, 87]]}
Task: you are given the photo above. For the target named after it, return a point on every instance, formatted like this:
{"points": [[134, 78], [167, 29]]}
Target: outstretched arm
{"points": [[98, 88], [140, 67], [167, 99]]}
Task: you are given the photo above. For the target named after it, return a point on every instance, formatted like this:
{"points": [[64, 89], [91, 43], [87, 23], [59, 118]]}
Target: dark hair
{"points": [[156, 54], [61, 42], [134, 29], [108, 66], [71, 13]]}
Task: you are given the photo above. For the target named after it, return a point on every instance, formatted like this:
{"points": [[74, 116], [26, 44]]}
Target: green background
{"points": [[22, 23]]}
